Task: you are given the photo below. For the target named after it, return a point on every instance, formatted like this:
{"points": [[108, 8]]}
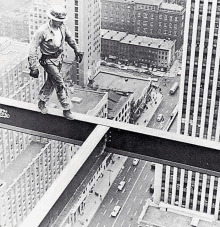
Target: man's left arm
{"points": [[72, 43]]}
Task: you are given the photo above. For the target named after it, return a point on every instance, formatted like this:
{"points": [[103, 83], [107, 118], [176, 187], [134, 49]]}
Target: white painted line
{"points": [[129, 179], [129, 168], [145, 177], [135, 169], [97, 225], [123, 178], [135, 213], [117, 202], [140, 187], [128, 210], [111, 200], [135, 198], [104, 212], [152, 179], [147, 189], [129, 194], [122, 223], [141, 201]]}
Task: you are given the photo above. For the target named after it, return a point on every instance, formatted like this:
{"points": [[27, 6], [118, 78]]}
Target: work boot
{"points": [[68, 114], [42, 107]]}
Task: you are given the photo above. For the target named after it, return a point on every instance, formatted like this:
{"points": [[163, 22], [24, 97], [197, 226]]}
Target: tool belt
{"points": [[45, 57]]}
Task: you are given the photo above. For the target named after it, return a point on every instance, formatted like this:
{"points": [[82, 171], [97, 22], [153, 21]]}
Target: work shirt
{"points": [[45, 39]]}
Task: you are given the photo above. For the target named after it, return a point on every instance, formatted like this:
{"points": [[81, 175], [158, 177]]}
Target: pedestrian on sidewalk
{"points": [[50, 38]]}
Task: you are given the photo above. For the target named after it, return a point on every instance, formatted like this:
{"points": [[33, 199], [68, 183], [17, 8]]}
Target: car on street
{"points": [[115, 211], [135, 161], [152, 165], [160, 117], [152, 188], [103, 63], [121, 185], [124, 67]]}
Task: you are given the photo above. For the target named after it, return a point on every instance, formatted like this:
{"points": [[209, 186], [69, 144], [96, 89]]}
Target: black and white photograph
{"points": [[109, 113]]}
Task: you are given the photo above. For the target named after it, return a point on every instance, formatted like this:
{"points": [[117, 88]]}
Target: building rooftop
{"points": [[152, 42], [121, 83], [123, 1], [11, 50], [138, 40], [167, 218], [109, 35], [128, 38], [119, 36], [19, 164], [16, 15], [173, 7], [89, 100], [103, 31], [149, 2]]}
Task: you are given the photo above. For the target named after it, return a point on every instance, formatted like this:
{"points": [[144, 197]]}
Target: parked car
{"points": [[160, 117], [113, 65], [135, 161], [152, 188], [152, 165], [124, 67], [121, 185], [115, 211], [103, 63]]}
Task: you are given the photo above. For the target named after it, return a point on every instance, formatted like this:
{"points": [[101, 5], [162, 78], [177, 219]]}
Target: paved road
{"points": [[131, 198]]}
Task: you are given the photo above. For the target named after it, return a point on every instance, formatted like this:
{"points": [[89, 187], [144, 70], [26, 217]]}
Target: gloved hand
{"points": [[79, 56], [34, 73]]}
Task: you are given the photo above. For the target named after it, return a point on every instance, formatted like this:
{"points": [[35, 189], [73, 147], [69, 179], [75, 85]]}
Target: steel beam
{"points": [[56, 189], [131, 140]]}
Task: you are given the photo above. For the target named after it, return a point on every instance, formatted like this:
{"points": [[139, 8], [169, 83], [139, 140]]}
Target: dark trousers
{"points": [[55, 81]]}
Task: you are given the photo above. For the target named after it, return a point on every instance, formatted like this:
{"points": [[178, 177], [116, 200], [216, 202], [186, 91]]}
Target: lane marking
{"points": [[128, 210], [129, 195]]}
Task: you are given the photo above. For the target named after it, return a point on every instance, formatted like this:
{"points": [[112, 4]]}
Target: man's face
{"points": [[57, 24]]}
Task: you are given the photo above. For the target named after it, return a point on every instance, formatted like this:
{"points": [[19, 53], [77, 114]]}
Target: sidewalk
{"points": [[101, 188], [156, 98]]}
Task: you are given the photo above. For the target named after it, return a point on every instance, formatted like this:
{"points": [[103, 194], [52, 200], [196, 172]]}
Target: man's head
{"points": [[58, 14]]}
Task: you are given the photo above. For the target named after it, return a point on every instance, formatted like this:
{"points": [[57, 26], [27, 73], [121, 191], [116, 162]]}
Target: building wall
{"points": [[138, 54], [144, 20], [199, 108], [19, 198]]}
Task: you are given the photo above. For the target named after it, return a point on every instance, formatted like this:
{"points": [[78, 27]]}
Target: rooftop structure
{"points": [[152, 42], [89, 99], [172, 216], [119, 83], [171, 7], [149, 2], [11, 50]]}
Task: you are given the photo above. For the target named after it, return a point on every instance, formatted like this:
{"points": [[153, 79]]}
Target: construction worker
{"points": [[50, 39]]}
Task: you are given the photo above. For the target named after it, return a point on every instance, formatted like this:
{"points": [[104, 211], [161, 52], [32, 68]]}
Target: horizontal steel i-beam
{"points": [[127, 139]]}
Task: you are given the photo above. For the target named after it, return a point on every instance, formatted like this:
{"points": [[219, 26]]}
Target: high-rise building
{"points": [[198, 110], [26, 161], [84, 22]]}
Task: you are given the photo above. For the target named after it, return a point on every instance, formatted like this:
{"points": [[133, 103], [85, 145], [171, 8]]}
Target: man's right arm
{"points": [[33, 53]]}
